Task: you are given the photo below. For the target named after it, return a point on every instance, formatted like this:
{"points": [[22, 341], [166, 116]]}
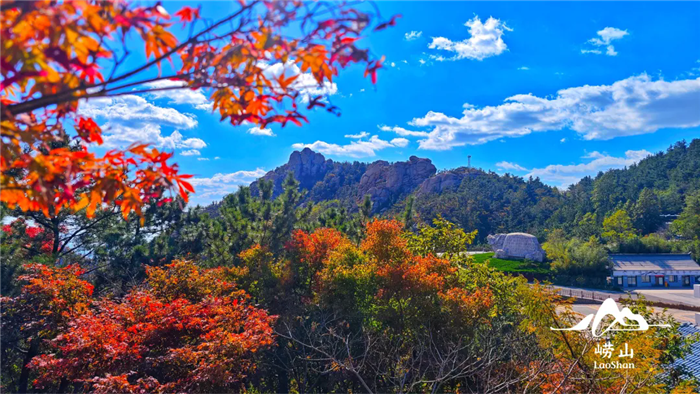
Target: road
{"points": [[668, 296], [681, 316]]}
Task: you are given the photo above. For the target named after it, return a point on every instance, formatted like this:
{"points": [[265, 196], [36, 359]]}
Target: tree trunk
{"points": [[282, 381], [24, 375], [64, 385], [56, 236], [282, 373]]}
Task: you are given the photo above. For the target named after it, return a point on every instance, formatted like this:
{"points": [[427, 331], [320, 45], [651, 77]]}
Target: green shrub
{"points": [[574, 257], [654, 243]]}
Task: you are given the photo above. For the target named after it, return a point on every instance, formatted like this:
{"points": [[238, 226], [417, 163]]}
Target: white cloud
{"points": [[694, 70], [120, 136], [524, 68], [130, 119], [176, 141], [403, 132], [632, 106], [217, 158], [306, 84], [506, 165], [258, 131], [238, 178], [363, 134], [357, 149], [202, 159], [191, 152], [605, 37], [564, 175], [392, 64], [219, 185], [608, 35], [399, 142], [196, 97], [562, 140], [413, 35], [131, 109], [486, 40]]}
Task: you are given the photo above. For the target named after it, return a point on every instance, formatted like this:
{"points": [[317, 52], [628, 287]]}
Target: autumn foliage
{"points": [[187, 330], [33, 239], [385, 266], [57, 55], [49, 299], [313, 248], [342, 311], [312, 311]]}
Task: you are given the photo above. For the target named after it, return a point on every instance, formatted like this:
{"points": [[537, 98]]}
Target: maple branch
{"points": [[142, 91], [156, 79], [571, 369], [84, 228], [574, 354], [345, 343], [44, 101], [37, 217], [184, 44]]}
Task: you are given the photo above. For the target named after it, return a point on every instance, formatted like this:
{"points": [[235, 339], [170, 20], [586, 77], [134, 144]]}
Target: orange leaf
{"points": [[187, 186]]}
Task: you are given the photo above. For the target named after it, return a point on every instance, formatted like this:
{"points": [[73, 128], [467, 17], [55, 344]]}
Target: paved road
{"points": [[669, 296], [681, 316], [469, 253], [676, 296]]}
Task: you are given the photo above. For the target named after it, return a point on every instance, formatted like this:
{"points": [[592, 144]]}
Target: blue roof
{"points": [[691, 362], [654, 262]]}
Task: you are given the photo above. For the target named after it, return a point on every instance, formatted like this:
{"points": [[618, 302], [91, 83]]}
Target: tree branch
{"points": [[44, 101]]}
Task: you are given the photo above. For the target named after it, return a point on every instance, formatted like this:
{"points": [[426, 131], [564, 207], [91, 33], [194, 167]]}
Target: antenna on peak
{"points": [[469, 161]]}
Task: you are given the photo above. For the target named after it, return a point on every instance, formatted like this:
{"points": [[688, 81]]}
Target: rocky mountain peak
{"points": [[446, 180], [308, 167], [385, 183]]}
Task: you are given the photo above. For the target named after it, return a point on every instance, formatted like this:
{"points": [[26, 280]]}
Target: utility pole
{"points": [[469, 162]]}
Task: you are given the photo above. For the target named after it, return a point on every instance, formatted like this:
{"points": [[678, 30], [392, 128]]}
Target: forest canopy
{"points": [[111, 283]]}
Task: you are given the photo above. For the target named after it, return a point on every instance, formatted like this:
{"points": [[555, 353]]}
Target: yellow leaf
{"points": [[84, 201]]}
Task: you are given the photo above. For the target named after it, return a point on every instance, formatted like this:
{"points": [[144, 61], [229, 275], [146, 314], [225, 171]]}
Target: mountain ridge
{"points": [[487, 201], [325, 179]]}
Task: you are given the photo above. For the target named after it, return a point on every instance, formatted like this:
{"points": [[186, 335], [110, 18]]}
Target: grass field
{"points": [[511, 265]]}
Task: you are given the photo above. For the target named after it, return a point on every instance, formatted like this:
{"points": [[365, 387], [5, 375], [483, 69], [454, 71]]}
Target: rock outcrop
{"points": [[307, 166], [516, 245], [386, 182], [443, 181], [324, 179]]}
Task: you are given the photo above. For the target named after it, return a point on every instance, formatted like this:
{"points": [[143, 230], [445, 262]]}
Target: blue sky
{"points": [[591, 86]]}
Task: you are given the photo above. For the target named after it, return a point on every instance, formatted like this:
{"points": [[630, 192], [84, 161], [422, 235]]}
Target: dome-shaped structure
{"points": [[516, 245]]}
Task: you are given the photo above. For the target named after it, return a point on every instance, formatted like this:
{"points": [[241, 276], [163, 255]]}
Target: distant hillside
{"points": [[489, 202], [386, 183], [492, 203], [671, 175]]}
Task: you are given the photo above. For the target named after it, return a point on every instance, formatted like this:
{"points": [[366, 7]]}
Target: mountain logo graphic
{"points": [[620, 322]]}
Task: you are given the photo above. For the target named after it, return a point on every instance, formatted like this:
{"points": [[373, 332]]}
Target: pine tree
{"points": [[408, 221], [646, 213], [366, 209]]}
